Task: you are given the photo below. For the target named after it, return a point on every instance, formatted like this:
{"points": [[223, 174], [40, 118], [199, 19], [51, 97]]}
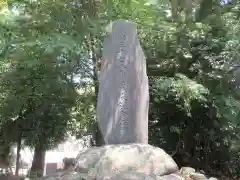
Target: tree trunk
{"points": [[98, 134], [38, 162], [99, 141], [19, 141], [91, 9]]}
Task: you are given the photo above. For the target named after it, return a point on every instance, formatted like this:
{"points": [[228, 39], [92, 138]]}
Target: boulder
{"points": [[127, 175], [112, 159], [186, 171], [170, 177], [65, 176], [125, 162], [197, 176]]}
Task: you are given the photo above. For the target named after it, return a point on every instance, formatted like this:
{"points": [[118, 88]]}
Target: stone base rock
{"points": [[171, 177], [186, 171], [190, 174], [126, 162], [127, 175], [110, 159], [198, 176]]}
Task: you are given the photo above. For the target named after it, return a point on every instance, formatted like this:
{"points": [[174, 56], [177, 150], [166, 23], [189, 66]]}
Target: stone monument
{"points": [[122, 114], [123, 97]]}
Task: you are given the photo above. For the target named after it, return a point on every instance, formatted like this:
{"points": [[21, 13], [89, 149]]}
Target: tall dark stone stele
{"points": [[123, 97]]}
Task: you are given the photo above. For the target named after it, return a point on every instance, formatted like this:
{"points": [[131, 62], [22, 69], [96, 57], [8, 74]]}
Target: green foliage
{"points": [[41, 58], [202, 102], [181, 88]]}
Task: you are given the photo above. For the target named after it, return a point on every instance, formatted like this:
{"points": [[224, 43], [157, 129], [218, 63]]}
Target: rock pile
{"points": [[127, 162]]}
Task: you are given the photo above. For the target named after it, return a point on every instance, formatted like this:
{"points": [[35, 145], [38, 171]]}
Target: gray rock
{"points": [[185, 171], [66, 176], [212, 178], [197, 176], [110, 159], [127, 175], [170, 177], [123, 97]]}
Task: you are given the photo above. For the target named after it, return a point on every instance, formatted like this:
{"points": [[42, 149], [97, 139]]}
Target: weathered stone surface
{"points": [[197, 176], [127, 175], [185, 171], [132, 174], [123, 97], [212, 178], [65, 176], [107, 160], [170, 177]]}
